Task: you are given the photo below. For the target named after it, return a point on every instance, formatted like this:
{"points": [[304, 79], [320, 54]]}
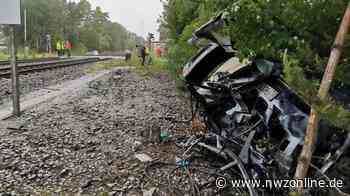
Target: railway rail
{"points": [[5, 72], [21, 61]]}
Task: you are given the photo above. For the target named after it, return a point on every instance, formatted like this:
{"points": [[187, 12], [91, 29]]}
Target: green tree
{"points": [[65, 19]]}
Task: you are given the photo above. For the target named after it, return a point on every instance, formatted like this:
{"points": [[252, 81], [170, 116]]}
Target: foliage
{"points": [[64, 19], [306, 29], [303, 31], [79, 49], [335, 113], [157, 65], [20, 55], [293, 75], [180, 19], [3, 56]]}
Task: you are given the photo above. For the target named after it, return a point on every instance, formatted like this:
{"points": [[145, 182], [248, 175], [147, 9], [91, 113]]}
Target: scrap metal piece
{"points": [[337, 155], [267, 92], [240, 112], [229, 165], [284, 156], [244, 155]]}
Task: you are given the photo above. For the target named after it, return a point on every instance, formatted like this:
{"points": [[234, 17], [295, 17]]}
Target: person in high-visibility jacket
{"points": [[63, 46], [68, 48], [59, 48]]}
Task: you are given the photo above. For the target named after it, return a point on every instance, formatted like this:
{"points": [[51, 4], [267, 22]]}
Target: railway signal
{"points": [[149, 40], [10, 15]]}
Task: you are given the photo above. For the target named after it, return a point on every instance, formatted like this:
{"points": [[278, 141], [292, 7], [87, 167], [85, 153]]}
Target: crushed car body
{"points": [[251, 113]]}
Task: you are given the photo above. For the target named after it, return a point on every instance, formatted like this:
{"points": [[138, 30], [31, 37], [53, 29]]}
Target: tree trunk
{"points": [[311, 132]]}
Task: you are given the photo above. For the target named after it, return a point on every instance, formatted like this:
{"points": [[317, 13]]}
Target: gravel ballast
{"points": [[34, 81], [88, 142]]}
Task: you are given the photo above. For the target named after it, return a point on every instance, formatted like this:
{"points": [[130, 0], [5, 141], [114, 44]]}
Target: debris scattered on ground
{"points": [[143, 158], [149, 192]]}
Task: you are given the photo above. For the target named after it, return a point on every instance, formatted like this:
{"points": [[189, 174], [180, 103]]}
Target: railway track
{"points": [[21, 61], [5, 72]]}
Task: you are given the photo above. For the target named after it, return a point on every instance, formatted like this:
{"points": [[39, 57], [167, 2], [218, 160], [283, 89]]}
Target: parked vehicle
{"points": [[93, 53]]}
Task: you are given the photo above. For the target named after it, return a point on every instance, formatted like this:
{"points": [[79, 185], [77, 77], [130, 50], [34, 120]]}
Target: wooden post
{"points": [[14, 75], [311, 132]]}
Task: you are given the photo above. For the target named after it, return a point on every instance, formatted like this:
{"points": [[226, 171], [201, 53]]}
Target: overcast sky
{"points": [[138, 16]]}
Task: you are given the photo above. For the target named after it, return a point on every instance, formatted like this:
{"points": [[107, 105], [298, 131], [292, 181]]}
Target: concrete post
{"points": [[14, 75]]}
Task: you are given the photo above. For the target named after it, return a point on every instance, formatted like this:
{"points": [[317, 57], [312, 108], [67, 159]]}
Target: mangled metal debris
{"points": [[255, 121]]}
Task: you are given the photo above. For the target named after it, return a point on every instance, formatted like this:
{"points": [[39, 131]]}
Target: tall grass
{"points": [[3, 56]]}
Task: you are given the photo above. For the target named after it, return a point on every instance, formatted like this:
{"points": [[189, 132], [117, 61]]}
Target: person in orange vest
{"points": [[159, 52], [68, 48]]}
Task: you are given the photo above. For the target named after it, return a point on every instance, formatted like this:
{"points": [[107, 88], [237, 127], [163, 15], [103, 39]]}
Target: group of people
{"points": [[63, 47], [144, 54]]}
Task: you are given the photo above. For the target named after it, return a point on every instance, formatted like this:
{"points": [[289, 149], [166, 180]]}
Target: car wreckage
{"points": [[254, 120]]}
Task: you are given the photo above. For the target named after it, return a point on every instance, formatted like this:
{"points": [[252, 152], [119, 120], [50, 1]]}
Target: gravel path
{"points": [[85, 143]]}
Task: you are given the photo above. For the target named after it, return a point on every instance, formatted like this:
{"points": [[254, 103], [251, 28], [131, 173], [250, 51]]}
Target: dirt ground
{"points": [[85, 143]]}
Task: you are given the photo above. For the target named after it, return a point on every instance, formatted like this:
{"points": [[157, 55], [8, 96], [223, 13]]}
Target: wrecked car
{"points": [[254, 120]]}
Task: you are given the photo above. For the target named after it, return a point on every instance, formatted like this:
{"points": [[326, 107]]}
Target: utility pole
{"points": [[14, 75], [311, 132], [25, 33], [10, 14]]}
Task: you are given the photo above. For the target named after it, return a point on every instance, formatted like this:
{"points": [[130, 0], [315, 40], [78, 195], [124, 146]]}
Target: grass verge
{"points": [[106, 65], [31, 55]]}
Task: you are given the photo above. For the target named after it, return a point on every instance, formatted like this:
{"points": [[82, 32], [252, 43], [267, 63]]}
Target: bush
{"points": [[298, 33], [306, 29], [79, 49]]}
